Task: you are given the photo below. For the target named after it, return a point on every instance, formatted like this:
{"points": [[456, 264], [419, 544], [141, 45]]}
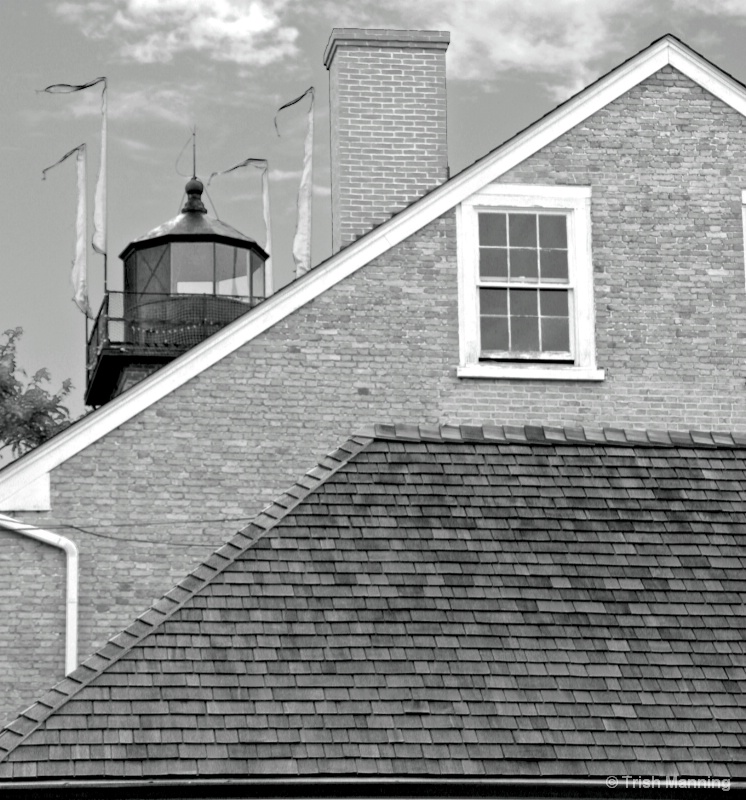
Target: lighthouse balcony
{"points": [[149, 330]]}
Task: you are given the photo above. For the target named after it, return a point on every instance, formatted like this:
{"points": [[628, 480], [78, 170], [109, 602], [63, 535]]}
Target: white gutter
{"points": [[71, 598], [354, 786]]}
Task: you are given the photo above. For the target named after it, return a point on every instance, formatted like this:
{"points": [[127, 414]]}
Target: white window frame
{"points": [[575, 202]]}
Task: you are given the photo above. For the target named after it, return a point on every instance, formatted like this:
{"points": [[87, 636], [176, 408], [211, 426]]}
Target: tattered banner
{"points": [[302, 240], [263, 165], [99, 205], [79, 275]]}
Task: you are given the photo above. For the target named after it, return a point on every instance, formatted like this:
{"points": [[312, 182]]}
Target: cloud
{"points": [[276, 176], [561, 37], [563, 43], [566, 42], [165, 103], [713, 8], [285, 174], [135, 146], [247, 32]]}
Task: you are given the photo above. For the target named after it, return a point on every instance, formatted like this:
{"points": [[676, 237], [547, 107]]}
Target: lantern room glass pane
{"points": [[130, 273], [192, 267], [151, 271], [257, 278], [231, 271]]}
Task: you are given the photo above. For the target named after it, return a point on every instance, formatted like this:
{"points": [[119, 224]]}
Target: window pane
{"points": [[492, 229], [192, 267], [553, 230], [522, 230], [493, 263], [554, 265], [523, 264], [152, 270], [524, 303], [524, 334], [493, 301], [231, 275], [494, 333], [554, 304], [130, 273], [555, 334], [257, 277]]}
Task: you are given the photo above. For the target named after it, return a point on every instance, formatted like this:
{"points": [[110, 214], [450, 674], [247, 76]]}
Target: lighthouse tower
{"points": [[183, 281]]}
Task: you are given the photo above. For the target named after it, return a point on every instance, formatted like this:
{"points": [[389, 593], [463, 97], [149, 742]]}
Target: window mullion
{"points": [[510, 322]]}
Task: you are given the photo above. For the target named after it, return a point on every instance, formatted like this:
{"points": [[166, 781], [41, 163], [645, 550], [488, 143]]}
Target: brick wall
{"points": [[389, 146], [32, 625], [667, 163]]}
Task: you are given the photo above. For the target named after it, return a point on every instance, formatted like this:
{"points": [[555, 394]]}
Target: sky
{"points": [[225, 66]]}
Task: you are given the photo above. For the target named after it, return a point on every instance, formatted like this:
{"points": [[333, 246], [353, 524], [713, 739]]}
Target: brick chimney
{"points": [[389, 144]]}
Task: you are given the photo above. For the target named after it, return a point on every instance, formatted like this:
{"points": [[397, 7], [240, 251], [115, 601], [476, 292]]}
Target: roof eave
{"points": [[142, 244], [335, 786]]}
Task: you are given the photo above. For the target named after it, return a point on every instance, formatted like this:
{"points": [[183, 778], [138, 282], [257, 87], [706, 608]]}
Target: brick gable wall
{"points": [[666, 166], [667, 163]]}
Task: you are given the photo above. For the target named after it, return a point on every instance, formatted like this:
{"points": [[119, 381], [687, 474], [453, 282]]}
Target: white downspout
{"points": [[71, 600]]}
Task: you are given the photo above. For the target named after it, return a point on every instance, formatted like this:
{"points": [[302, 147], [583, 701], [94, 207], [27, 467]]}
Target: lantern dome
{"points": [[194, 253], [193, 224]]}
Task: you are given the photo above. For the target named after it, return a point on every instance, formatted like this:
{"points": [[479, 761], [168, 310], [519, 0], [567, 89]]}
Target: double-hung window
{"points": [[526, 284]]}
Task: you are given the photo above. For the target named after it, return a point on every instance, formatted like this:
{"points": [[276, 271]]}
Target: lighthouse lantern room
{"points": [[183, 281]]}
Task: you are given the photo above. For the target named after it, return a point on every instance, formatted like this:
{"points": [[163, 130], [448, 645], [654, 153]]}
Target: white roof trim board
{"points": [[34, 495], [664, 52]]}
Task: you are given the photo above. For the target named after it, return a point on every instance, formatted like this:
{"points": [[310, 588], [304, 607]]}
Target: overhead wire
{"points": [[92, 531]]}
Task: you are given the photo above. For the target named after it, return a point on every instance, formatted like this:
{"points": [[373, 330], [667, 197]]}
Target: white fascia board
{"points": [[343, 264], [709, 77], [33, 495]]}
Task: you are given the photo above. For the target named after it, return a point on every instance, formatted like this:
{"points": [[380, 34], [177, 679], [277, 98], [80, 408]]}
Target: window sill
{"points": [[545, 372]]}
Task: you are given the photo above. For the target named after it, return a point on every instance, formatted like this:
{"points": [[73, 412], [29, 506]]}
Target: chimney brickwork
{"points": [[388, 124]]}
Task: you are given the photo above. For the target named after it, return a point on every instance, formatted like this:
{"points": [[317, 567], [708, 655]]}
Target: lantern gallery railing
{"points": [[161, 321]]}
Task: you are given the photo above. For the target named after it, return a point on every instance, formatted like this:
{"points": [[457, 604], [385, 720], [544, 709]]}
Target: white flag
{"points": [[302, 240], [99, 201], [99, 204], [263, 165], [79, 275], [268, 281]]}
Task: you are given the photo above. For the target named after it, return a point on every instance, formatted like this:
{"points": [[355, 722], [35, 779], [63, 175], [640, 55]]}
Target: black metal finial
{"points": [[194, 189]]}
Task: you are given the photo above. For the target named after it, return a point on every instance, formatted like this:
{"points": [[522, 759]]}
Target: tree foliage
{"points": [[29, 413]]}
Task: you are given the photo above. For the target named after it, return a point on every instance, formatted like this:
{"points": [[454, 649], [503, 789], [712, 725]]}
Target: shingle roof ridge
{"points": [[17, 731], [553, 435]]}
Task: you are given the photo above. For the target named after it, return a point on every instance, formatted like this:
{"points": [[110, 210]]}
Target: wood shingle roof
{"points": [[439, 602]]}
